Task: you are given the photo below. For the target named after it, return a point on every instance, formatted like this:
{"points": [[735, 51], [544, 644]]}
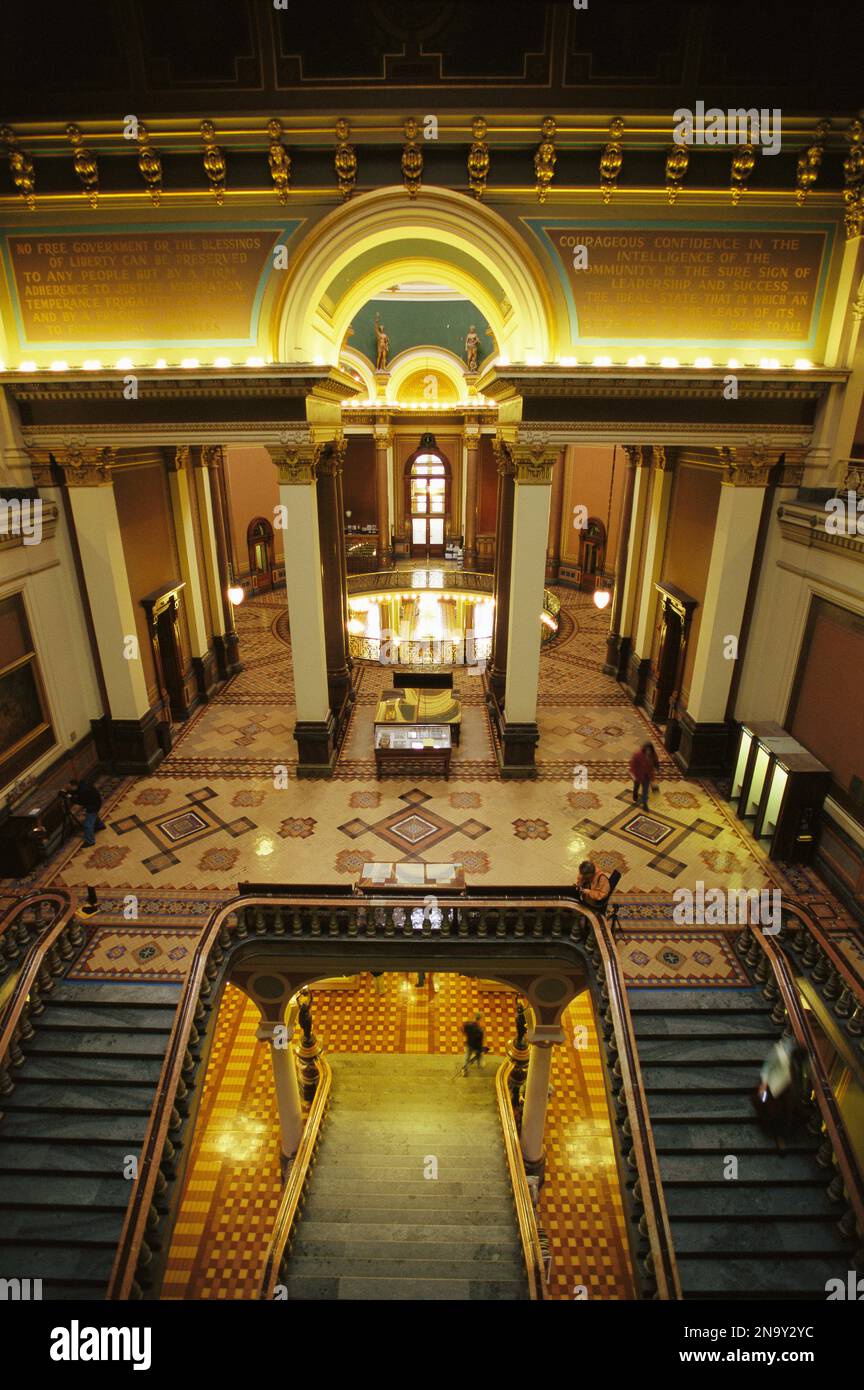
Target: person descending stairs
{"points": [[410, 1197]]}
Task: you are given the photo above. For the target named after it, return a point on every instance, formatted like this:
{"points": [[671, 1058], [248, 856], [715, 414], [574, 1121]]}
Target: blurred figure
{"points": [[474, 1040], [779, 1096], [85, 795], [378, 978], [644, 766]]}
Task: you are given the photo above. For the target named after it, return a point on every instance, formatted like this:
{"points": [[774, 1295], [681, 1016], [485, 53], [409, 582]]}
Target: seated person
{"points": [[593, 887]]}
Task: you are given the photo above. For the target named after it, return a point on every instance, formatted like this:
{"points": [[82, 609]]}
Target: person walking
{"points": [[779, 1096], [88, 797], [644, 766], [474, 1040]]}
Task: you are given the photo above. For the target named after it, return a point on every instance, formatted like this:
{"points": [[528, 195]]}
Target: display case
{"points": [[762, 757], [795, 787], [745, 756], [417, 749]]}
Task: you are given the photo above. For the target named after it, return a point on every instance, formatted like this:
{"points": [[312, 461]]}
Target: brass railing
{"points": [[525, 1217], [363, 929], [294, 1192]]}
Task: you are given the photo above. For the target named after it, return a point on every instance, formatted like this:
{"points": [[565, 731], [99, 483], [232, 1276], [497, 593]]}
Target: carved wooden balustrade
{"points": [[39, 936]]}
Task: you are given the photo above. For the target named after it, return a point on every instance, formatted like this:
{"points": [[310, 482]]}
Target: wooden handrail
{"points": [[525, 1216], [851, 976], [665, 1267], [835, 1130], [301, 1167], [214, 939], [33, 960]]}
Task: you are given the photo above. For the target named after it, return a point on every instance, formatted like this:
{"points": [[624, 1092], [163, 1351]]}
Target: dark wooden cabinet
{"points": [[30, 831]]}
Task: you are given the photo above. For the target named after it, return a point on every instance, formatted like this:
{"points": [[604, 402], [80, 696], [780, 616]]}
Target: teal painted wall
{"points": [[410, 323]]}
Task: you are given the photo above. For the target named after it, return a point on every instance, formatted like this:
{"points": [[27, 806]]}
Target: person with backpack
{"points": [[474, 1040]]}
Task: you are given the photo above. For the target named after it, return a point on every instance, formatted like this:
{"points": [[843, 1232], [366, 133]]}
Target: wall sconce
{"points": [[236, 594]]}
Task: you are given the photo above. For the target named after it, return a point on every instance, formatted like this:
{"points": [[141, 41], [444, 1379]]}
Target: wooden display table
{"points": [[421, 705]]}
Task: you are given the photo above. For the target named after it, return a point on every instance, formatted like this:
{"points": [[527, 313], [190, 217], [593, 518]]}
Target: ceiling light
{"points": [[124, 364], [703, 362], [769, 364], [92, 364], [27, 367], [254, 361], [602, 362], [222, 362], [59, 366], [635, 361], [669, 362], [802, 365]]}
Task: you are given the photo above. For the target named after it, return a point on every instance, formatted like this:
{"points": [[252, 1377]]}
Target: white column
{"points": [[658, 516], [541, 1040], [15, 470], [286, 1084], [533, 487], [97, 526], [297, 494], [732, 552], [641, 486], [178, 482]]}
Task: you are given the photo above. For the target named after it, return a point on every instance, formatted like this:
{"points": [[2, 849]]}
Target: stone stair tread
{"points": [[783, 1239], [706, 1108], [73, 1126], [805, 1277], [69, 1262], [697, 1080], [110, 1043], [348, 1249], [698, 1001], [725, 1137], [84, 1099], [85, 1227], [407, 1188], [393, 1266], [115, 992], [99, 1017], [404, 1290], [744, 1024], [44, 1157], [99, 1194], [319, 1229], [383, 1209], [749, 1204], [127, 1071], [719, 1052], [774, 1168]]}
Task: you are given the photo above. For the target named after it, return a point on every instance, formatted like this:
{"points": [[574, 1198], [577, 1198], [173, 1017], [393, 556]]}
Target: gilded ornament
{"points": [[809, 163], [743, 164], [412, 159], [545, 158], [346, 159], [677, 163], [853, 173], [150, 165], [478, 158], [611, 160], [20, 167], [214, 161], [279, 160], [85, 165]]}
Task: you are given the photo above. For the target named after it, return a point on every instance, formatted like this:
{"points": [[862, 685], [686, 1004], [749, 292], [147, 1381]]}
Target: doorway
{"points": [[427, 479]]}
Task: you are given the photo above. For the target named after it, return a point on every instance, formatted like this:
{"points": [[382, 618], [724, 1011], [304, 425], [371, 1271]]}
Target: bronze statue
{"points": [[304, 1018], [383, 347], [472, 343]]}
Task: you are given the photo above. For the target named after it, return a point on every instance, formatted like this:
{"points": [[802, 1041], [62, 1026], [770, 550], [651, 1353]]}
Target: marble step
{"points": [[98, 1194], [72, 1126], [747, 1024], [85, 1098], [106, 1017], [774, 1169], [742, 1278], [396, 1189], [394, 1266], [64, 1042], [57, 1262], [351, 1129], [698, 1001], [376, 1169], [417, 1209], [722, 1137], [125, 1071], [784, 1239], [346, 1250], [43, 1158], [85, 1227], [683, 1107], [750, 1204], [445, 1233], [715, 1052], [390, 1290], [697, 1081], [114, 992]]}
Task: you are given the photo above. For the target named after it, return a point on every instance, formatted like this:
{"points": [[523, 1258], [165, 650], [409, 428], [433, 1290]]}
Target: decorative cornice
{"points": [[805, 525], [412, 159], [478, 158]]}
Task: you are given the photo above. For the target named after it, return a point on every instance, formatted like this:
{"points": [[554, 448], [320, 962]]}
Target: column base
{"points": [[316, 747], [384, 557], [469, 559], [516, 749], [636, 676], [535, 1167], [701, 747], [617, 656], [206, 676], [131, 747]]}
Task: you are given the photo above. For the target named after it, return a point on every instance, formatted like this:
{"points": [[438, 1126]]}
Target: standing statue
{"points": [[383, 347], [472, 343], [304, 1018]]}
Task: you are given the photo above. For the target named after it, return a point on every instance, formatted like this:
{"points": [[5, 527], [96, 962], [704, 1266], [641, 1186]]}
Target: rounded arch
{"points": [[432, 360], [361, 247]]}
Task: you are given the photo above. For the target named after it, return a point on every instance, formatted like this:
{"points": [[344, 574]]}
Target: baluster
{"points": [[7, 1085], [519, 925], [243, 921], [778, 1013], [833, 985], [76, 932], [763, 970], [259, 924], [535, 921], [355, 922], [372, 922], [822, 967], [389, 922], [557, 916], [25, 1027], [37, 1005], [462, 915], [175, 1123], [224, 936], [845, 1004], [315, 922], [812, 952], [189, 1063], [835, 1189], [296, 922], [10, 946], [280, 922], [743, 941]]}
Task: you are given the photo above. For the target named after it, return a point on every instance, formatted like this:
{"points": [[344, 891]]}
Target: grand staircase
{"points": [[373, 1226], [770, 1233], [79, 1106]]}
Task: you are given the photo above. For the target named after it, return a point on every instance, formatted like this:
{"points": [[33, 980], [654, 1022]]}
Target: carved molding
{"points": [[84, 163], [478, 158], [86, 467], [215, 166], [295, 458], [279, 160], [412, 159], [545, 158], [149, 165], [20, 167], [611, 159], [211, 456], [345, 161]]}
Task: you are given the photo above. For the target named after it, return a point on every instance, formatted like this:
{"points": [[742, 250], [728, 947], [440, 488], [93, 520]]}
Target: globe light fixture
{"points": [[236, 594], [602, 595]]}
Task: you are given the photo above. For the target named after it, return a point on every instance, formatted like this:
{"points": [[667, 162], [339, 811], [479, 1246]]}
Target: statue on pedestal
{"points": [[472, 343], [383, 347]]}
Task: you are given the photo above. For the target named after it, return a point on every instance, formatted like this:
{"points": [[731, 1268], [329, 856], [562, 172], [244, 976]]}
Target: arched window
{"points": [[259, 538], [427, 497]]}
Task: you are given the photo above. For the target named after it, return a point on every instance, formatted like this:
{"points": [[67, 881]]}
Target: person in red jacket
{"points": [[644, 766]]}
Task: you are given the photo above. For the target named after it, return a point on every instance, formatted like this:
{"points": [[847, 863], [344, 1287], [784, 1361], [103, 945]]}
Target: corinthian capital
{"points": [[86, 467]]}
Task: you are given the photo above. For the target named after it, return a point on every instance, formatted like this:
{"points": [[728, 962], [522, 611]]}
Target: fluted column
{"points": [[556, 508], [331, 537], [618, 646], [472, 451], [541, 1041], [383, 442], [285, 1083], [211, 457], [497, 675]]}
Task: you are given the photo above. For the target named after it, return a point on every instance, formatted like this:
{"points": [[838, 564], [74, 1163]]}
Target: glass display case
{"points": [[421, 748]]}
